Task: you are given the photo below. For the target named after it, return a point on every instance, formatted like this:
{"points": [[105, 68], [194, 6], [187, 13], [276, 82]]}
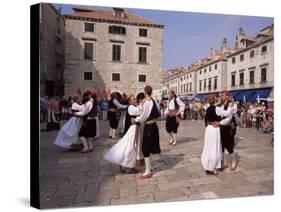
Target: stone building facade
{"points": [[111, 50], [51, 51], [252, 66]]}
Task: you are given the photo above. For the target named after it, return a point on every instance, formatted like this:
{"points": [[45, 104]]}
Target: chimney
{"points": [[241, 31], [213, 52], [224, 45]]}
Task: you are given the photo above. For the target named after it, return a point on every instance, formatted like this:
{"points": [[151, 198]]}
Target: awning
{"points": [[250, 94], [201, 96]]}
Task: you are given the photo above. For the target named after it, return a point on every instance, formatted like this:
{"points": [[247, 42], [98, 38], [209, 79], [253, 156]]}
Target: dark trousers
{"points": [[171, 124], [113, 121], [150, 142], [227, 139]]}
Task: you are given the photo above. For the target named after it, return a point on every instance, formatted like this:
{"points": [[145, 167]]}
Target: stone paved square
{"points": [[69, 178]]}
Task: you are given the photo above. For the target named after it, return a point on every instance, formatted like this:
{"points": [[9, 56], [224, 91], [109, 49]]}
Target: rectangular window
{"points": [[142, 78], [215, 83], [241, 57], [210, 84], [88, 76], [205, 70], [263, 75], [241, 76], [252, 54], [116, 52], [210, 68], [233, 80], [117, 30], [252, 77], [216, 66], [115, 77], [205, 84], [200, 85], [142, 32], [263, 49], [89, 27], [200, 72], [233, 60], [88, 51], [142, 54]]}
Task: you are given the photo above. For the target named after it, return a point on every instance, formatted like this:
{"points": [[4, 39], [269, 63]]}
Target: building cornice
{"points": [[210, 63], [123, 22]]}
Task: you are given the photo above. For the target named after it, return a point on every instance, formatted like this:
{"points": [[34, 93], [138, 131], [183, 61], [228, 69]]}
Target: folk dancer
{"points": [[150, 143], [174, 109], [88, 129], [124, 152], [113, 106], [211, 157]]}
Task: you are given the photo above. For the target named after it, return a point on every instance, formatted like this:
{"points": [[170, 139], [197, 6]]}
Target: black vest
{"points": [[154, 114], [111, 105], [93, 112], [211, 115]]}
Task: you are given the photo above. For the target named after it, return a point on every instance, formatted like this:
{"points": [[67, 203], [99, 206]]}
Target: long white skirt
{"points": [[212, 153], [68, 134], [124, 153]]}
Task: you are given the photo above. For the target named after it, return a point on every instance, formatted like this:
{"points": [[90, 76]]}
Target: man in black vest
{"points": [[149, 117]]}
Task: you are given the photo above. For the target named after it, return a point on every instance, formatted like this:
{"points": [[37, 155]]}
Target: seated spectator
{"points": [[267, 125]]}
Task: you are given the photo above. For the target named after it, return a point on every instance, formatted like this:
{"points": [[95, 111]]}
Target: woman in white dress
{"points": [[123, 152], [68, 135]]}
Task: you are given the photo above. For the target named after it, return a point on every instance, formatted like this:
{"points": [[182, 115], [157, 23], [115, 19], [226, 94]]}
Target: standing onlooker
{"points": [[64, 109], [162, 109], [50, 110], [259, 115], [43, 109], [56, 107], [253, 112], [104, 108]]}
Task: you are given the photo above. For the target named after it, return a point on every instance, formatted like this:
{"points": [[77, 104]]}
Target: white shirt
{"points": [[134, 110], [147, 107], [76, 106], [171, 106], [86, 109], [119, 106], [225, 113]]}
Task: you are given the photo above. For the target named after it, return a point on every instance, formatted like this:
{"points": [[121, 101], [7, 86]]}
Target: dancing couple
{"points": [[218, 135], [81, 128], [124, 153]]}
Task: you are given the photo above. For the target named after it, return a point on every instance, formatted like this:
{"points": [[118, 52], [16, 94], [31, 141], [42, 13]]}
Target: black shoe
{"points": [[210, 172]]}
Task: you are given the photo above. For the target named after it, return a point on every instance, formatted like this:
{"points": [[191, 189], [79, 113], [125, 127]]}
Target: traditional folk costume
{"points": [[212, 157], [175, 106], [113, 106], [228, 132], [150, 142], [88, 129], [68, 134], [124, 152]]}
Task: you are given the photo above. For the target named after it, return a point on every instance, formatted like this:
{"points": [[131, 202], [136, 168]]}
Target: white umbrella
{"points": [[258, 98]]}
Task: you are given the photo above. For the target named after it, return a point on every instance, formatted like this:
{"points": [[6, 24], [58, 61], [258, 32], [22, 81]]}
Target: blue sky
{"points": [[189, 36]]}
